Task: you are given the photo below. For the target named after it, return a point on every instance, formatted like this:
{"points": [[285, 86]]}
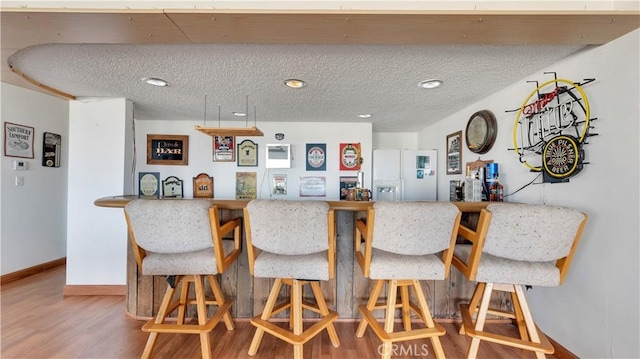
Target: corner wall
{"points": [[595, 312], [33, 216]]}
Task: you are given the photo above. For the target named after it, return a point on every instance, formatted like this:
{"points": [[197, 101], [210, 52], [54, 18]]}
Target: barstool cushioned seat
{"points": [[399, 244], [183, 239], [515, 245], [293, 242]]}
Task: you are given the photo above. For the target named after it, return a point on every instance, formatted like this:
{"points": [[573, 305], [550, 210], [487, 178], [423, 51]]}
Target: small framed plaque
{"points": [[247, 154], [203, 186], [149, 184], [224, 148], [313, 187], [51, 145], [172, 187], [167, 150]]}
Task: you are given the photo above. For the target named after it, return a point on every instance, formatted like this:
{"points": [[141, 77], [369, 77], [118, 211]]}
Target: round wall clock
{"points": [[481, 131]]}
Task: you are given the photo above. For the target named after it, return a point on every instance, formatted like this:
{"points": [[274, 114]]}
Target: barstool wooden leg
{"points": [[406, 308], [296, 314], [482, 315], [266, 314], [426, 316], [219, 300], [162, 314], [201, 306], [475, 300], [184, 298], [324, 311], [373, 299], [389, 317], [528, 319], [517, 311]]}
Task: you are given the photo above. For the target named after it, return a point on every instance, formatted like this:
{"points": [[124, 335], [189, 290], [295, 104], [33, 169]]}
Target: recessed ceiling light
{"points": [[295, 84], [364, 115], [239, 114], [155, 81], [429, 84]]}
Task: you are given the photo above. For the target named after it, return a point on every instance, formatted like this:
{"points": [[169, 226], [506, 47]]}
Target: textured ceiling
{"points": [[342, 80]]}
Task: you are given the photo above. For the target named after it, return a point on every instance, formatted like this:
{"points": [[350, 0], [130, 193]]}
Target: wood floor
{"points": [[37, 322]]}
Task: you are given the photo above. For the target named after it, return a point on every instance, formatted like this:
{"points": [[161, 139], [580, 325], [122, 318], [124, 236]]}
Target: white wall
{"points": [[595, 313], [98, 167], [396, 141], [296, 134], [33, 216]]}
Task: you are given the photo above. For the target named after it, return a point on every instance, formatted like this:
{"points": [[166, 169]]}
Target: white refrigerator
{"points": [[405, 175]]}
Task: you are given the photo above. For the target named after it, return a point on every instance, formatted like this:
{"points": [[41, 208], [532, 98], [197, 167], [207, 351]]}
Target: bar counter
{"points": [[344, 293]]}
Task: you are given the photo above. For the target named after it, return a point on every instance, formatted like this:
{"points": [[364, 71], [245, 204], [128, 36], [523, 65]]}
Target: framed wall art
{"points": [[350, 159], [454, 153], [149, 184], [246, 185], [224, 148], [51, 147], [18, 140], [172, 187], [247, 154], [203, 186], [167, 150], [316, 155], [313, 186]]}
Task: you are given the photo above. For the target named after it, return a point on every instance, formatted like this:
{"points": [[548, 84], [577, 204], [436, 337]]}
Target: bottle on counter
{"points": [[472, 187], [496, 191]]}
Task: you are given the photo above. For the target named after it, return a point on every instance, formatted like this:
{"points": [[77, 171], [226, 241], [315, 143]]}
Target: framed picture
{"points": [[316, 156], [280, 184], [167, 150], [172, 187], [224, 148], [18, 140], [51, 147], [247, 154], [203, 186], [313, 187], [454, 153], [350, 157], [246, 185], [347, 182], [149, 184]]}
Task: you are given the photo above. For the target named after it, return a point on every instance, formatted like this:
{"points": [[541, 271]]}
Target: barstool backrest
{"points": [[170, 225], [289, 227], [533, 233], [413, 228]]}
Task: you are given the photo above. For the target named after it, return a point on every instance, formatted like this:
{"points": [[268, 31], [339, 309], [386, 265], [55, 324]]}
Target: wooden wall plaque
{"points": [[203, 186]]}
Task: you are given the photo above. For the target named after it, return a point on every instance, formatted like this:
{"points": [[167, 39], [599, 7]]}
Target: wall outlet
{"points": [[19, 181]]}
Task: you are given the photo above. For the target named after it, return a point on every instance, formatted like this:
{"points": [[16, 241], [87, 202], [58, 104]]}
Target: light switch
{"points": [[20, 165], [19, 181]]}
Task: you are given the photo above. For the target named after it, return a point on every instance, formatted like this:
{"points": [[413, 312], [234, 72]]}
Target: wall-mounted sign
{"points": [[224, 148], [172, 187], [316, 157], [18, 140], [247, 154], [203, 186], [350, 159], [551, 127], [167, 150], [149, 184], [51, 147], [246, 185]]}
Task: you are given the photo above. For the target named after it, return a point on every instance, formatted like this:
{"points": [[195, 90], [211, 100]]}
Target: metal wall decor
{"points": [[481, 131]]}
